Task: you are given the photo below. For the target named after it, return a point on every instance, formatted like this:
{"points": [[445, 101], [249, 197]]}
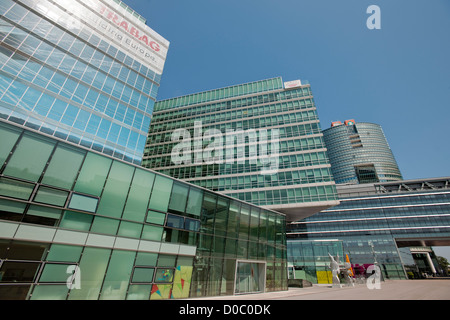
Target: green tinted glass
{"points": [[15, 189], [29, 158], [165, 260], [139, 292], [105, 225], [44, 212], [63, 167], [178, 197], [143, 275], [55, 272], [93, 174], [64, 253], [194, 203], [76, 221], [118, 275], [12, 206], [152, 233], [244, 220], [9, 137], [51, 196], [130, 229], [156, 217], [116, 190], [81, 202], [146, 259], [93, 265], [50, 292], [139, 195], [161, 193]]}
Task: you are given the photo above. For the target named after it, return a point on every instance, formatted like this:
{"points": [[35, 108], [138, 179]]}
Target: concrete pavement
{"points": [[426, 289]]}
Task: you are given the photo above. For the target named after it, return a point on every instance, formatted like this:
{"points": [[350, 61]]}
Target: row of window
{"points": [[247, 88], [244, 106], [57, 273], [408, 222], [435, 212], [257, 123], [186, 172], [81, 138], [285, 196], [405, 199], [299, 144], [44, 272], [261, 181]]}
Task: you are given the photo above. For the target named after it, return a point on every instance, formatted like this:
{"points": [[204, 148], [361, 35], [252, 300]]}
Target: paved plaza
{"points": [[427, 289]]}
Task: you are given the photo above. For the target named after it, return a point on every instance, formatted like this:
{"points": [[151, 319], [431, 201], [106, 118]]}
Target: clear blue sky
{"points": [[398, 76]]}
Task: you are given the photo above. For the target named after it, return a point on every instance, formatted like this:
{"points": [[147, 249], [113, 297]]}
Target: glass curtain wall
{"points": [[63, 74], [49, 186]]}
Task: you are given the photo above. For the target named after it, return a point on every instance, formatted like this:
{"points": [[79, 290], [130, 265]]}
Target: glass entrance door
{"points": [[250, 277]]}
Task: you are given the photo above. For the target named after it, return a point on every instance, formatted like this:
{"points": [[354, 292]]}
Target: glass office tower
{"points": [[360, 153], [391, 224], [84, 71], [260, 142], [76, 224]]}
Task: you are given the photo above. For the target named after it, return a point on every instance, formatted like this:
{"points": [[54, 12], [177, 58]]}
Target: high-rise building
{"points": [[260, 142], [360, 153], [84, 71], [393, 225]]}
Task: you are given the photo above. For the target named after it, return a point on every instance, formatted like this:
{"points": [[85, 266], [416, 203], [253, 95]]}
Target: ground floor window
{"points": [[250, 276]]}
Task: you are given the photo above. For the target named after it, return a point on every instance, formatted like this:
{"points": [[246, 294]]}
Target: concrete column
{"points": [[430, 262]]}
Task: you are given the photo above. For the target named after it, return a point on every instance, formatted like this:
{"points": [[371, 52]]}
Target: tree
{"points": [[443, 263]]}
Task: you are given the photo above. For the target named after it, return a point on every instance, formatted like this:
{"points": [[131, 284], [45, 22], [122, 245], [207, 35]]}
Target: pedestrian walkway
{"points": [[426, 289]]}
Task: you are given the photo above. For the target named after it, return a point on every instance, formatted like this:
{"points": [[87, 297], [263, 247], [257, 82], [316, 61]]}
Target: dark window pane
{"points": [[13, 271], [26, 251], [175, 221], [11, 292]]}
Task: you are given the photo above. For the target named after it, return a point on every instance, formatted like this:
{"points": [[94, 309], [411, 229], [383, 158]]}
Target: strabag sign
{"points": [[130, 28], [142, 43], [292, 84]]}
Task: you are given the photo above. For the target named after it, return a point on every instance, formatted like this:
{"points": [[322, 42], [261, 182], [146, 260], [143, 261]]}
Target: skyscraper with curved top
{"points": [[360, 153]]}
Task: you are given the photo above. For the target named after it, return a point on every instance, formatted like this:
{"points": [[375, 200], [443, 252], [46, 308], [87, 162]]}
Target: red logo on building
{"points": [[129, 28]]}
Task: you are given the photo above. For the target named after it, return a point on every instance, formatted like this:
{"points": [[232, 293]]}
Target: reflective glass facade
{"points": [[301, 183], [309, 260], [360, 153], [80, 70], [77, 224], [379, 223]]}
